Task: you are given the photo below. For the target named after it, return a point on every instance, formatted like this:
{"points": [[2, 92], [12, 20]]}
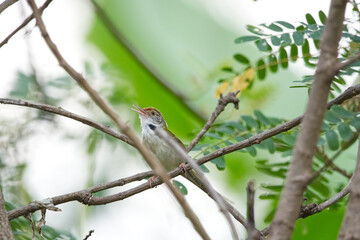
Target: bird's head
{"points": [[150, 117]]}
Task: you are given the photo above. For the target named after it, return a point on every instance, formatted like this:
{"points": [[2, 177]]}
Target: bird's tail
{"points": [[193, 177]]}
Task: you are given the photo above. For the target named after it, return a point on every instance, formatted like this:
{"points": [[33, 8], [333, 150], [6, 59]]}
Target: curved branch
{"points": [[62, 112], [26, 21], [223, 101], [5, 4]]}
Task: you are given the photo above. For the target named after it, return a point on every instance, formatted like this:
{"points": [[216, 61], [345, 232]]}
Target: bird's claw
{"points": [[183, 166], [150, 181]]}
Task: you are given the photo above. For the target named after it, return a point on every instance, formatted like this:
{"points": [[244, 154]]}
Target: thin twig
{"points": [[62, 112], [208, 187], [330, 161], [350, 228], [5, 229], [89, 234], [152, 161], [253, 234], [223, 101], [5, 4], [26, 21], [348, 62], [311, 209], [121, 39]]}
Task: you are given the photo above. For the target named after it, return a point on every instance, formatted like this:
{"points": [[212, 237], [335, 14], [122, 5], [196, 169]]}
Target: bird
{"points": [[151, 118]]}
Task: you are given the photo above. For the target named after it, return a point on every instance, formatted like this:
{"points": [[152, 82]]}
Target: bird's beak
{"points": [[139, 110]]}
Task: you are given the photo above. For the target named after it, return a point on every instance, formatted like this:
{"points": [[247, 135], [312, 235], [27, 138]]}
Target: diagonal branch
{"points": [[5, 229], [300, 167], [148, 156], [62, 112], [26, 21], [223, 101], [350, 228], [5, 4]]}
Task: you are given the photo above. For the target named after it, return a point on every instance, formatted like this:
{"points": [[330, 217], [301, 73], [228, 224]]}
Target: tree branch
{"points": [[5, 229], [348, 62], [253, 234], [62, 112], [223, 101], [300, 167], [148, 156], [5, 4], [350, 228], [314, 208], [26, 21], [121, 39]]}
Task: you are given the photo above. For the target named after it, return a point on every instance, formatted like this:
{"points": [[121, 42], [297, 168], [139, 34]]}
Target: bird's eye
{"points": [[153, 113]]}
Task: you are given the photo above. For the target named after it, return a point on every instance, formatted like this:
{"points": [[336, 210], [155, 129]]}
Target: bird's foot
{"points": [[150, 181], [183, 166]]}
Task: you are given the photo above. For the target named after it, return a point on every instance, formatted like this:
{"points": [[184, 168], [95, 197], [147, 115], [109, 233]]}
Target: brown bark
{"points": [[5, 230], [299, 174], [350, 228]]}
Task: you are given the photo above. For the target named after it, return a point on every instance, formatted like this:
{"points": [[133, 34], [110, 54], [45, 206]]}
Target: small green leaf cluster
{"points": [[283, 42]]}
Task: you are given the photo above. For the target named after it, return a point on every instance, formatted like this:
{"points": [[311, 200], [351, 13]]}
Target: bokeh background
{"points": [[186, 43]]}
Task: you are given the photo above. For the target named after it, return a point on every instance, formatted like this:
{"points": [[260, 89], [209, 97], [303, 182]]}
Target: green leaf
{"points": [[306, 52], [273, 64], [275, 41], [341, 112], [286, 24], [227, 69], [244, 39], [250, 121], [310, 19], [219, 162], [284, 61], [298, 38], [269, 144], [355, 122], [180, 186], [332, 139], [275, 188], [204, 168], [255, 30], [261, 69], [213, 135], [345, 131], [261, 117], [251, 150], [322, 17], [269, 196], [92, 141], [316, 35], [262, 45], [293, 53], [285, 39], [273, 27], [331, 117], [241, 58]]}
